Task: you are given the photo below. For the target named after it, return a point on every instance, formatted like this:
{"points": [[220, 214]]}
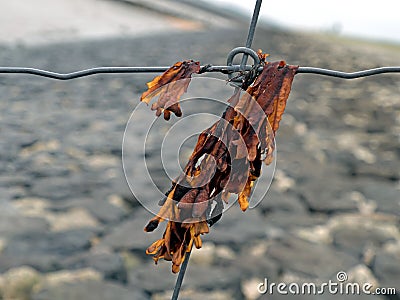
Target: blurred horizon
{"points": [[356, 18]]}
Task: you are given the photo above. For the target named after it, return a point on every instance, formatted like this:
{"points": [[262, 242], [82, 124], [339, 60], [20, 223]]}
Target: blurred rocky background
{"points": [[71, 229]]}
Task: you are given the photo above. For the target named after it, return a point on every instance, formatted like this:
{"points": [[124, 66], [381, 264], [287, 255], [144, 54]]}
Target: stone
{"points": [[282, 182], [365, 206], [289, 221], [61, 188], [158, 278], [130, 234], [190, 294], [105, 211], [18, 283], [23, 139], [130, 260], [205, 255], [103, 161], [44, 251], [43, 165], [384, 169], [386, 268], [153, 278], [275, 201], [11, 225], [260, 266], [58, 278], [224, 253], [385, 195], [109, 265], [361, 274], [88, 290], [249, 288], [60, 217], [74, 218], [100, 143], [12, 192], [237, 227], [77, 185], [14, 180], [120, 187], [294, 254], [319, 234], [2, 245], [328, 198], [117, 201], [357, 237], [34, 207]]}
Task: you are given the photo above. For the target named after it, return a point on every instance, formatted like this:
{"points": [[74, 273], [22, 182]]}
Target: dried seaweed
{"points": [[226, 160]]}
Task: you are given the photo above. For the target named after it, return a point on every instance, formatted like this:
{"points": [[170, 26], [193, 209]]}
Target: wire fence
{"points": [[229, 69], [207, 68]]}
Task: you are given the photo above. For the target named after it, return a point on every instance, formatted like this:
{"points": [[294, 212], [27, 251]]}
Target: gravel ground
{"points": [[71, 229]]}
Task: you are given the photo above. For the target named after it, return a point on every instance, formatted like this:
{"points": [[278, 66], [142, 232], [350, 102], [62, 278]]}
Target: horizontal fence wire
{"points": [[347, 75], [207, 68]]}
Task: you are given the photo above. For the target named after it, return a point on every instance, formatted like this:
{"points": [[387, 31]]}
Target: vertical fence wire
{"points": [[249, 41], [252, 30], [181, 274]]}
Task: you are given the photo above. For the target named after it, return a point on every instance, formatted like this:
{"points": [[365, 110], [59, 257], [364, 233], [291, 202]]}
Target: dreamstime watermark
{"points": [[339, 287]]}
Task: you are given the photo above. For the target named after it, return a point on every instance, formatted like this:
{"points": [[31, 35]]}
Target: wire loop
{"points": [[238, 50]]}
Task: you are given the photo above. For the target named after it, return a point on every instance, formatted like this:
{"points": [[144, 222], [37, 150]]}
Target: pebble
{"points": [[12, 225], [386, 268], [275, 201], [205, 255], [249, 224], [129, 235], [18, 283], [196, 295], [44, 251], [109, 265], [361, 274], [58, 278], [249, 288], [357, 237], [89, 290], [328, 197], [72, 219], [303, 257]]}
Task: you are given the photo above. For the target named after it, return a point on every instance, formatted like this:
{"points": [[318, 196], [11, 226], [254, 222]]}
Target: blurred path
{"points": [[44, 21]]}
